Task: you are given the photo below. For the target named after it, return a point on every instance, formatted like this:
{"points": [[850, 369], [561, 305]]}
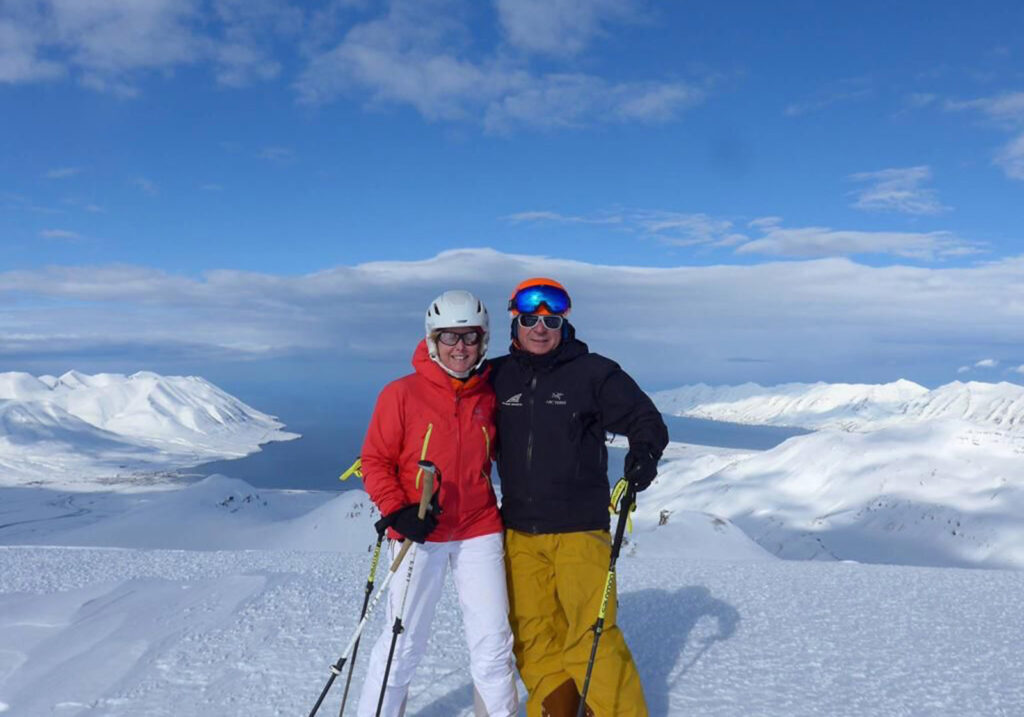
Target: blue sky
{"points": [[808, 190]]}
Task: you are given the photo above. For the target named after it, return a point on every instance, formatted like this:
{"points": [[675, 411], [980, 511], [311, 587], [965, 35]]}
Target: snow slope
{"points": [[895, 474], [191, 634], [89, 430], [849, 406]]}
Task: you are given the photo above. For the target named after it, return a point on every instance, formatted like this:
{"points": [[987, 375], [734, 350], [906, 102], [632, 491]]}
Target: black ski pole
{"points": [[609, 584], [433, 476], [428, 489], [362, 614]]}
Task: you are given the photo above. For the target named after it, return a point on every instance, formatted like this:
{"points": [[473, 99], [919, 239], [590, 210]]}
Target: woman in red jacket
{"points": [[444, 413]]}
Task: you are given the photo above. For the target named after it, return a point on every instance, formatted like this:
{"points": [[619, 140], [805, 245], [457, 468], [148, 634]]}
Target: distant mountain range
{"points": [[849, 406], [80, 429], [894, 473]]}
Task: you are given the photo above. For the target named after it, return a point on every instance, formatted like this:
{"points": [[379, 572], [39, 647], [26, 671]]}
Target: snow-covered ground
{"points": [[218, 598]]}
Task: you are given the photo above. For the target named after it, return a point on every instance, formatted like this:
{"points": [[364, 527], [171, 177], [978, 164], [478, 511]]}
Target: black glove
{"points": [[406, 522], [641, 466]]}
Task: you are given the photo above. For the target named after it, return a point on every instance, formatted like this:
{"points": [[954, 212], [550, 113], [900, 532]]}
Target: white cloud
{"points": [[148, 186], [109, 45], [829, 318], [986, 363], [277, 154], [898, 190], [417, 54], [59, 234], [1019, 369], [1011, 158], [558, 27], [850, 90], [809, 242], [538, 217], [697, 229], [963, 369], [1007, 111], [62, 172]]}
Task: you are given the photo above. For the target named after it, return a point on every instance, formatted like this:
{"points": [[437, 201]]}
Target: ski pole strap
{"points": [[617, 494], [356, 469]]}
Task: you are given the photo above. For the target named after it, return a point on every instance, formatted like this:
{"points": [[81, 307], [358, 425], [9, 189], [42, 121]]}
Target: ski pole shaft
{"points": [[336, 668], [609, 585], [429, 477], [362, 613]]}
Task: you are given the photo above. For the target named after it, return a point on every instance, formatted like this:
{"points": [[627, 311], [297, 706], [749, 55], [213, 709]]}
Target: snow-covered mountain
{"points": [[894, 474], [849, 406], [81, 429]]}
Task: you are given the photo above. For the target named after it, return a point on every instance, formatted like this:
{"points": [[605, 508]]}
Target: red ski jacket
{"points": [[429, 415]]}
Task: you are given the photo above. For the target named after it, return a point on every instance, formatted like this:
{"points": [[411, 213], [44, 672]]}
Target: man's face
{"points": [[538, 339]]}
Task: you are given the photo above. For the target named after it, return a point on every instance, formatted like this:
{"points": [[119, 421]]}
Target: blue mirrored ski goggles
{"points": [[532, 298]]}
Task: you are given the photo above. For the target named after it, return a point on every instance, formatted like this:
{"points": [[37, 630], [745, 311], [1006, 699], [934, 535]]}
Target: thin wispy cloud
{"points": [[59, 234], [986, 363], [62, 172], [555, 217], [895, 318], [897, 190], [1005, 111], [851, 90], [276, 154], [147, 186], [767, 235], [812, 242], [1019, 369]]}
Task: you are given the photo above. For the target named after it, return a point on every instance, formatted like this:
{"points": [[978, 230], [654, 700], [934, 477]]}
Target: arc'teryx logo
{"points": [[557, 399], [516, 400]]}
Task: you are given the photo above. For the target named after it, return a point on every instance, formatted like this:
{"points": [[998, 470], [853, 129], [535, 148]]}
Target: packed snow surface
{"points": [[87, 431]]}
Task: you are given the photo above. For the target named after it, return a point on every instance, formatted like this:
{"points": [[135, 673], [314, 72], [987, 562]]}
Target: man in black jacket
{"points": [[556, 401]]}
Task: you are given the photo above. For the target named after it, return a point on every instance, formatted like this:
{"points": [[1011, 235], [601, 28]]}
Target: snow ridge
{"points": [[78, 427], [849, 406]]}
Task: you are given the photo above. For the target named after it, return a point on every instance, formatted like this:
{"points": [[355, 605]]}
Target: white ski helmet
{"points": [[451, 310]]}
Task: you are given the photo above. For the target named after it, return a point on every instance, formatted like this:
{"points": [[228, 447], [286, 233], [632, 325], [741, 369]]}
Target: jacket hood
{"points": [[430, 370]]}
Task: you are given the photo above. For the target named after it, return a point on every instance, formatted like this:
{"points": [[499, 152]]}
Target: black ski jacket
{"points": [[553, 413]]}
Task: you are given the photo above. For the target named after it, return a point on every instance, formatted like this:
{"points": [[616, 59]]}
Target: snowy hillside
{"points": [[895, 474], [849, 406], [88, 430]]}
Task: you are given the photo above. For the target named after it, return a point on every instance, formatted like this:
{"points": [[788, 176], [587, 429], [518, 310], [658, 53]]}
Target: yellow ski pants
{"points": [[556, 582]]}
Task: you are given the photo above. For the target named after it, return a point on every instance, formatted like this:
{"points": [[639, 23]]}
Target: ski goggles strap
{"points": [[530, 300], [617, 493]]}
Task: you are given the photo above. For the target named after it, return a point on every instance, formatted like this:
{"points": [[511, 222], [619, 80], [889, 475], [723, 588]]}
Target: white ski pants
{"points": [[478, 569]]}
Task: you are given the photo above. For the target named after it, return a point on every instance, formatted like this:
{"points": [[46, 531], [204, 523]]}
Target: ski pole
{"points": [[609, 584], [431, 475], [428, 489], [362, 614]]}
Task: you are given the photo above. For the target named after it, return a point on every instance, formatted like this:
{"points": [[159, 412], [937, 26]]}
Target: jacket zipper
{"points": [[458, 451], [529, 439]]}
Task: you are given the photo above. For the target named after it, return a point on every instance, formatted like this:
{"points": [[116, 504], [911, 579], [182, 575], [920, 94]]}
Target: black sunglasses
{"points": [[451, 338]]}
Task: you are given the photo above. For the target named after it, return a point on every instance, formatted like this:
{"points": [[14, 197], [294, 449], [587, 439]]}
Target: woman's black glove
{"points": [[641, 466], [406, 522]]}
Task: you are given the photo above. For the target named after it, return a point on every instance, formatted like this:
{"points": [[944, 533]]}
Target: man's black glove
{"points": [[641, 466], [406, 522]]}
